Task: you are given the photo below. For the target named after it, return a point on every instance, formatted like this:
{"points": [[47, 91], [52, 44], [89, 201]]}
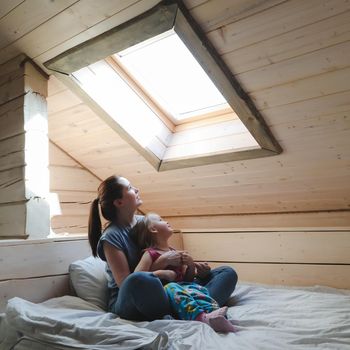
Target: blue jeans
{"points": [[143, 298]]}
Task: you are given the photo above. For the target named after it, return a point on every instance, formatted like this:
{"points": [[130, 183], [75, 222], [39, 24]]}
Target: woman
{"points": [[139, 296]]}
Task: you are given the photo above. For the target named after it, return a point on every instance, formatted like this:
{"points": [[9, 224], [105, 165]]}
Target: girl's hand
{"points": [[187, 259], [203, 269], [172, 258]]}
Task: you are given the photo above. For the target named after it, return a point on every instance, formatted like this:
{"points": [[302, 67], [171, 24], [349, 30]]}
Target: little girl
{"points": [[189, 300]]}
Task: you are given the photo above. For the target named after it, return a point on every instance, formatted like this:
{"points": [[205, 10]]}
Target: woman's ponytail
{"points": [[95, 227], [109, 190]]}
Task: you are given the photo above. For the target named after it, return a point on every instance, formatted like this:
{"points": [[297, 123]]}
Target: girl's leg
{"points": [[184, 305], [202, 297], [142, 298], [220, 282]]}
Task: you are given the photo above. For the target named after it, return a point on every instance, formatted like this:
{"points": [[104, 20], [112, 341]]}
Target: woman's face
{"points": [[131, 196]]}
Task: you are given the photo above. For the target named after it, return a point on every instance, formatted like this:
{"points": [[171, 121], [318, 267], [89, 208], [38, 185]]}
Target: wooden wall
{"points": [[291, 56], [284, 249], [37, 270]]}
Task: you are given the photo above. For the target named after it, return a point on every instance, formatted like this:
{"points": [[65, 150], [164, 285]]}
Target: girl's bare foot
{"points": [[216, 313], [221, 324]]}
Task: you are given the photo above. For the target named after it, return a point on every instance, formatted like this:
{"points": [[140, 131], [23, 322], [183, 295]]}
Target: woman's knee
{"points": [[231, 274], [140, 279]]}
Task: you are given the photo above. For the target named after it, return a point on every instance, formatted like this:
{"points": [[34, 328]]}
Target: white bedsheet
{"points": [[266, 317]]}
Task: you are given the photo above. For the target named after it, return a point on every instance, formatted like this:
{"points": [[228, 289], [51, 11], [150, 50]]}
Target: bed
{"points": [[266, 317]]}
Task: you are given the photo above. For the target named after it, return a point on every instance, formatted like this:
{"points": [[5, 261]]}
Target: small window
{"points": [[167, 91]]}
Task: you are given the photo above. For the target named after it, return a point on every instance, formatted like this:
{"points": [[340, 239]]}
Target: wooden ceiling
{"points": [[291, 56]]}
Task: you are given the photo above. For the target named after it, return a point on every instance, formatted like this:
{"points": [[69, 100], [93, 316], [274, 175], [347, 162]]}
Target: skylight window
{"points": [[167, 70], [183, 106]]}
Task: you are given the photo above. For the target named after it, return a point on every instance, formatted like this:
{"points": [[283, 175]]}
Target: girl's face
{"points": [[131, 197], [160, 226]]}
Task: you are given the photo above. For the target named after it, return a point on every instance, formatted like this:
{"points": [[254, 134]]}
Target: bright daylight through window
{"points": [[171, 75]]}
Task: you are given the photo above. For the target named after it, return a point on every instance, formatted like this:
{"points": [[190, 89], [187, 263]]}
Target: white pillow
{"points": [[89, 280]]}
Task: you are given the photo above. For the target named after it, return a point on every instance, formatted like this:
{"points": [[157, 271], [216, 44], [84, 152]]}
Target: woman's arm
{"points": [[146, 264], [117, 262]]}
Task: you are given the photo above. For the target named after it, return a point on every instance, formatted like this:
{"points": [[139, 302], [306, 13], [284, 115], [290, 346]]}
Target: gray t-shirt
{"points": [[118, 236]]}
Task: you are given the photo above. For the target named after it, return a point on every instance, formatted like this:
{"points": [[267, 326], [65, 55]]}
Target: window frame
{"points": [[167, 15]]}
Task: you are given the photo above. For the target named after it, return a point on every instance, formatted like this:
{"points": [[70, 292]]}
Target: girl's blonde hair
{"points": [[141, 233]]}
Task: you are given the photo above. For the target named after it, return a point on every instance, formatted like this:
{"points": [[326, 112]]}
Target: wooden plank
{"points": [[26, 218], [62, 101], [8, 5], [13, 220], [240, 202], [335, 276], [57, 157], [228, 177], [12, 185], [229, 116], [213, 14], [302, 110], [17, 23], [77, 196], [211, 146], [84, 20], [76, 208], [280, 193], [11, 122], [176, 241], [298, 42], [35, 290], [303, 203], [317, 221], [13, 88], [70, 224], [131, 8], [72, 178], [11, 149], [304, 89], [270, 247], [37, 259], [206, 132], [323, 60], [54, 86], [285, 17]]}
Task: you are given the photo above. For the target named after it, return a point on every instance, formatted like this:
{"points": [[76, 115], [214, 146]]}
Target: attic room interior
{"points": [[248, 161]]}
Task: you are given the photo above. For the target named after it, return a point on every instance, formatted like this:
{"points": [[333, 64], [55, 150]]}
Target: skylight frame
{"points": [[168, 15]]}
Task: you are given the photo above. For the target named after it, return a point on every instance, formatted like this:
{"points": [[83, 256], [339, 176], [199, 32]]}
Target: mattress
{"points": [[265, 318]]}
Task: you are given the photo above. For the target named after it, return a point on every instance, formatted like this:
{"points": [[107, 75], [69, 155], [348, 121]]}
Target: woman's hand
{"points": [[203, 269], [187, 259]]}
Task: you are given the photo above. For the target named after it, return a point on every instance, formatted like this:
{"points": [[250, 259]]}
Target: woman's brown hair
{"points": [[108, 191]]}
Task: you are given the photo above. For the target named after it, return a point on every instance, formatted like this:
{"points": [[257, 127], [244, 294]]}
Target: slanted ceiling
{"points": [[291, 56]]}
